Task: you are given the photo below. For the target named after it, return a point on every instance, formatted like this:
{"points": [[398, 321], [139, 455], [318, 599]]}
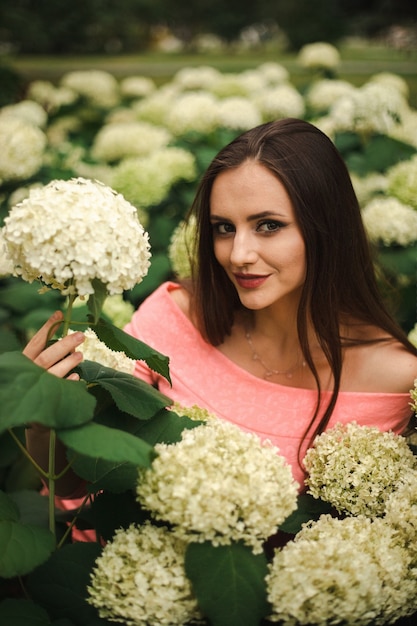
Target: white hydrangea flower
{"points": [[61, 128], [402, 181], [193, 112], [137, 86], [401, 511], [372, 108], [95, 350], [195, 78], [139, 579], [21, 193], [413, 392], [280, 102], [117, 141], [69, 233], [27, 110], [395, 81], [238, 113], [274, 73], [6, 264], [390, 221], [194, 412], [342, 571], [22, 149], [118, 309], [406, 131], [412, 335], [146, 181], [155, 108], [230, 85], [180, 250], [98, 87], [322, 94], [219, 484], [51, 98], [356, 468], [319, 55], [369, 186]]}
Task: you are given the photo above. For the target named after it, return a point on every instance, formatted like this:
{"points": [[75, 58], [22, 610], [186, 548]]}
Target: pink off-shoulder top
{"points": [[202, 375]]}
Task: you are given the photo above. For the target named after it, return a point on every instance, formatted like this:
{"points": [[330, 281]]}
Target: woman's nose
{"points": [[243, 249]]}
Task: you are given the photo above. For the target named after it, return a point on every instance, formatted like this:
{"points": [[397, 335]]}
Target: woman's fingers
{"points": [[39, 340], [60, 357]]}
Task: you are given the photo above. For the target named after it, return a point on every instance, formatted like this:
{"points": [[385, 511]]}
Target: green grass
{"points": [[358, 62]]}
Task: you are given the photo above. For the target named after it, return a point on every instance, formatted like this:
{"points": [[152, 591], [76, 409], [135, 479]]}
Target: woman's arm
{"points": [[59, 359]]}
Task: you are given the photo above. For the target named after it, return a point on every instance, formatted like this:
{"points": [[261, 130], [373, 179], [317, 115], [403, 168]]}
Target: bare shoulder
{"points": [[181, 298], [384, 367]]}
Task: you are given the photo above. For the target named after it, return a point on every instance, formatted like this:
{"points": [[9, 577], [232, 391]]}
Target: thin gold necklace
{"points": [[268, 373]]}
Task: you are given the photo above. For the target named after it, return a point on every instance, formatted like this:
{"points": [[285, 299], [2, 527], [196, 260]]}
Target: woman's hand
{"points": [[60, 357]]}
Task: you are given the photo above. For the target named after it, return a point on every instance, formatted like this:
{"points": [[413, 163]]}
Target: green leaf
{"points": [[112, 511], [22, 612], [229, 583], [23, 547], [33, 508], [9, 451], [382, 152], [28, 393], [101, 442], [159, 270], [60, 584], [130, 394], [118, 340], [21, 296], [96, 300], [9, 511], [114, 477], [165, 427], [308, 508], [398, 260]]}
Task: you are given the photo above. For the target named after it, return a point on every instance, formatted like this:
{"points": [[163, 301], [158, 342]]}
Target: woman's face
{"points": [[256, 238]]}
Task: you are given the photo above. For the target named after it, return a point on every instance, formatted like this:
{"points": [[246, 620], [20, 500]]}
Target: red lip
{"points": [[250, 281]]}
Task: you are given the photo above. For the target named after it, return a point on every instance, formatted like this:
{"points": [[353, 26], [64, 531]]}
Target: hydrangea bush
{"points": [[180, 504]]}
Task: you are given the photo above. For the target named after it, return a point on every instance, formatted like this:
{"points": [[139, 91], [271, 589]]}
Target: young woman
{"points": [[281, 328]]}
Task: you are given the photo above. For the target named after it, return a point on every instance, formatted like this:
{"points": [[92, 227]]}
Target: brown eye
{"points": [[270, 226]]}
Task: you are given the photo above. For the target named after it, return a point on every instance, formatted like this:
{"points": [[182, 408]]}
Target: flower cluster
{"points": [[118, 141], [27, 110], [279, 102], [413, 392], [69, 233], [402, 181], [238, 113], [373, 108], [95, 350], [193, 112], [343, 571], [99, 88], [139, 579], [401, 511], [180, 251], [50, 97], [356, 468], [319, 56], [322, 94], [136, 86], [389, 221], [219, 484], [22, 148], [145, 181]]}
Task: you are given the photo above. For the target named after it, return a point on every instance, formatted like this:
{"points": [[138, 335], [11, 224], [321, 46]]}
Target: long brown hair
{"points": [[340, 277]]}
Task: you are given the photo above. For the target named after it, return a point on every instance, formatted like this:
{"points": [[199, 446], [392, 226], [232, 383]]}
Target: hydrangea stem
{"points": [[51, 481]]}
